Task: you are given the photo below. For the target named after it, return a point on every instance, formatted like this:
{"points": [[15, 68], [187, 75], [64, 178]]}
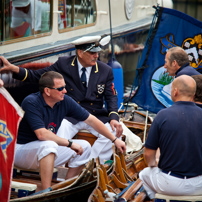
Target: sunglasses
{"points": [[59, 89]]}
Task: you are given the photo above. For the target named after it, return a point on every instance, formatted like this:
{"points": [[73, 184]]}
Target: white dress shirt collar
{"points": [[88, 71]]}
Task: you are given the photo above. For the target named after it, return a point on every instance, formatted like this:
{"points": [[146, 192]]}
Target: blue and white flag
{"points": [[169, 28]]}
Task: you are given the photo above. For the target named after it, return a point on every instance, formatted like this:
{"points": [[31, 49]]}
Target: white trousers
{"points": [[28, 155], [155, 181], [102, 147]]}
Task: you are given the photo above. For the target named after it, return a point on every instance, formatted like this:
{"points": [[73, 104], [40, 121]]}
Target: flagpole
{"points": [[110, 22]]}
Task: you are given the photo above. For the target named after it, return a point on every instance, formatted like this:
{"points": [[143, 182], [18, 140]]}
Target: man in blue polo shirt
{"points": [[177, 63], [37, 142], [177, 132]]}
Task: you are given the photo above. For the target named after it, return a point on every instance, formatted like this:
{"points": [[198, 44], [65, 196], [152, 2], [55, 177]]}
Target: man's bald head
{"points": [[183, 88]]}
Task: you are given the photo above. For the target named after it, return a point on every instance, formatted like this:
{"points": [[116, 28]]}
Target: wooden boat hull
{"points": [[64, 190], [75, 189], [78, 193]]}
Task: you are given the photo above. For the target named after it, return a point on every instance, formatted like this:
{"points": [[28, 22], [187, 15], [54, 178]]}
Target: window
{"points": [[23, 18], [75, 13]]}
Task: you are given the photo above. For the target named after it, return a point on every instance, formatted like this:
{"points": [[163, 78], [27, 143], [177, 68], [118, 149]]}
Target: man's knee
{"points": [[48, 144], [86, 144], [47, 148], [86, 147], [143, 173]]}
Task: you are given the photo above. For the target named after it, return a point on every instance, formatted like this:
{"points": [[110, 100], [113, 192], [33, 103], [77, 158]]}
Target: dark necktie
{"points": [[83, 76]]}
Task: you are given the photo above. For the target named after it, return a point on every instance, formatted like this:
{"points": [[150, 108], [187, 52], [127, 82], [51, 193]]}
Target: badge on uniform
{"points": [[114, 90], [100, 88]]}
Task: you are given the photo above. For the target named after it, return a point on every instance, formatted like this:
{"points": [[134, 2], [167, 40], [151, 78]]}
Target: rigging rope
{"points": [[149, 39]]}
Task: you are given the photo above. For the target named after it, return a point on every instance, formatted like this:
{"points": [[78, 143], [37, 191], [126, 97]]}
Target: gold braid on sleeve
{"points": [[25, 74]]}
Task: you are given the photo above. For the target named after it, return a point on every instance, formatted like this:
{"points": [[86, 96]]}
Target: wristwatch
{"points": [[70, 143]]}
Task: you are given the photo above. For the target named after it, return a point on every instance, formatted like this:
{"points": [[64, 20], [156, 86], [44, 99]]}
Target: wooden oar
{"points": [[131, 191], [103, 182], [140, 197], [123, 162], [98, 196], [119, 170], [65, 183]]}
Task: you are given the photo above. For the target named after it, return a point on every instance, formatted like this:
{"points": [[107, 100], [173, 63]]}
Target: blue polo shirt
{"points": [[177, 131], [186, 70], [40, 115]]}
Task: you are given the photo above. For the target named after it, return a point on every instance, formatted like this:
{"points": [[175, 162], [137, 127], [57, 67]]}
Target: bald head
{"points": [[183, 88]]}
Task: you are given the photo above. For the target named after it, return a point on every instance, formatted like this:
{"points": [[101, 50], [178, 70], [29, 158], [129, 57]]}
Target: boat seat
{"points": [[23, 189], [86, 135], [31, 172], [169, 198]]}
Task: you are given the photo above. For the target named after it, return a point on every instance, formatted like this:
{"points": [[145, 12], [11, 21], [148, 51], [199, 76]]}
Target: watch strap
{"points": [[70, 143]]}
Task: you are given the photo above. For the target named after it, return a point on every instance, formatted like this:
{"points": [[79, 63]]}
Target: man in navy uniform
{"points": [[90, 89]]}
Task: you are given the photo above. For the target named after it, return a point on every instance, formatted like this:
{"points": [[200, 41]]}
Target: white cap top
{"points": [[86, 40], [88, 43]]}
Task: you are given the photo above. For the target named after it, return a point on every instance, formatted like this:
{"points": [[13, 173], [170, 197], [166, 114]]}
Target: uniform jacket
{"points": [[100, 87]]}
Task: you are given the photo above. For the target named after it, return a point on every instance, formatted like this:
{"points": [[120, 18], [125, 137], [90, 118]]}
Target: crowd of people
{"points": [[71, 96]]}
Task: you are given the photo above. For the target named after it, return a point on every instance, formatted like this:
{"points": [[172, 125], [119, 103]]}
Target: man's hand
{"points": [[77, 148], [1, 83], [120, 145], [7, 66], [115, 124]]}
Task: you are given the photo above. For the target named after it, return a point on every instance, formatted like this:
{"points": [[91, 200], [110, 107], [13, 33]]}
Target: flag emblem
{"points": [[5, 138]]}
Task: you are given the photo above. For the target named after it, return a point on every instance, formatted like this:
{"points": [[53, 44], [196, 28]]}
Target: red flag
{"points": [[10, 117]]}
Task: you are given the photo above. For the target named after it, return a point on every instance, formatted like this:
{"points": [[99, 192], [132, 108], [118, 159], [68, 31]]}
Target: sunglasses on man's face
{"points": [[59, 89]]}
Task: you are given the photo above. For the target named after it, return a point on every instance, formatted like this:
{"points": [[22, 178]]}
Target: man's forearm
{"points": [[43, 134], [99, 127], [150, 157], [15, 69]]}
